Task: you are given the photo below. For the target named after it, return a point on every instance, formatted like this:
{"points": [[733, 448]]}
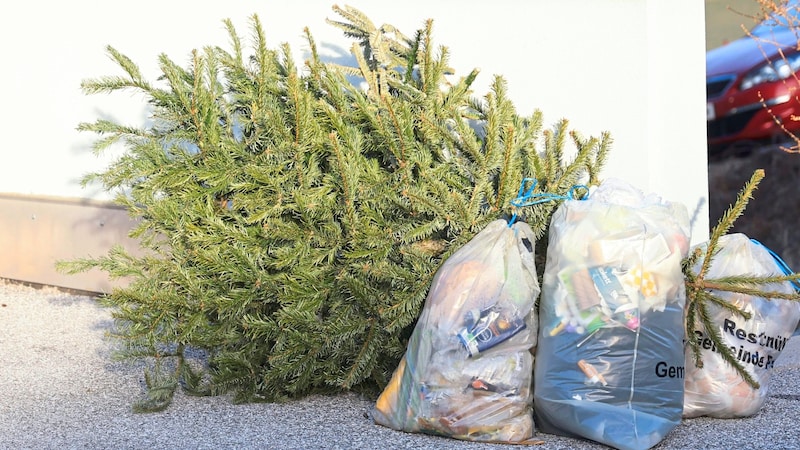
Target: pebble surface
{"points": [[61, 389]]}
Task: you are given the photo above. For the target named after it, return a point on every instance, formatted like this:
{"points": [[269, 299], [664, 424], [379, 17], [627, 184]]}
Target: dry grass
{"points": [[772, 215], [724, 20]]}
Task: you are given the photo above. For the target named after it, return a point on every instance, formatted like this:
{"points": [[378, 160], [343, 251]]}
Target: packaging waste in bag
{"points": [[609, 359], [717, 390], [468, 365]]}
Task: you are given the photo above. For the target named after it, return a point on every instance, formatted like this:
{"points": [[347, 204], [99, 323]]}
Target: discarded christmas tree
{"points": [[293, 221]]}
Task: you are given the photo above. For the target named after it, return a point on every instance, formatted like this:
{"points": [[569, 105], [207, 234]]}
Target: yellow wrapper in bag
{"points": [[468, 367]]}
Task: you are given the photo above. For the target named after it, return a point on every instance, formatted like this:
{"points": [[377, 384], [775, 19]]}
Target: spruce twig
{"points": [[701, 294]]}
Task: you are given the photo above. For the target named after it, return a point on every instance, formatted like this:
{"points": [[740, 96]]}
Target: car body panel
{"points": [[746, 52]]}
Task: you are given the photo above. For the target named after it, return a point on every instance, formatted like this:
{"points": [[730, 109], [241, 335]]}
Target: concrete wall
{"points": [[635, 68]]}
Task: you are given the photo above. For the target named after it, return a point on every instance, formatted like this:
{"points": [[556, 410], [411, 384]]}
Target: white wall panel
{"points": [[634, 68]]}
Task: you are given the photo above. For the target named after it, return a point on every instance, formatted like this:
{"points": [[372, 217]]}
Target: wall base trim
{"points": [[38, 231]]}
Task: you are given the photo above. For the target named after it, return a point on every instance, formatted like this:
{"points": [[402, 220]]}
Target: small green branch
{"points": [[702, 293]]}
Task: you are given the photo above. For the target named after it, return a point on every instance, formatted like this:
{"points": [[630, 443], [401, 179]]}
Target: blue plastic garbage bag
{"points": [[609, 361]]}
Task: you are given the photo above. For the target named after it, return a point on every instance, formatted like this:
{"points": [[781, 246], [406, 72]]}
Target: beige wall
{"points": [[37, 231]]}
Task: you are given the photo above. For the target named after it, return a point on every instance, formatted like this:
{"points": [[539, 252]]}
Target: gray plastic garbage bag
{"points": [[609, 360]]}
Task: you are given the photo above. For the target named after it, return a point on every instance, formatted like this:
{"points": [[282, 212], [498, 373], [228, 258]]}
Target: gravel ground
{"points": [[60, 389]]}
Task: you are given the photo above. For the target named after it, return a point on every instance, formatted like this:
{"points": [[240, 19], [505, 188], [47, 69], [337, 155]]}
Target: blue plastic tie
{"points": [[526, 196], [781, 263]]}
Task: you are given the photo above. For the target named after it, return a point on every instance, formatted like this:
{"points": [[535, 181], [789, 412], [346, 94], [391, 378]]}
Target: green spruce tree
{"points": [[293, 222]]}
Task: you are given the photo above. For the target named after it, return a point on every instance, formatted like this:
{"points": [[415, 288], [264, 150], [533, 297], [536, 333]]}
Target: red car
{"points": [[752, 88]]}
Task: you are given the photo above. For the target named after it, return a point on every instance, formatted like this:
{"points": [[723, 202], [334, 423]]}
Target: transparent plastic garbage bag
{"points": [[468, 365], [717, 390]]}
